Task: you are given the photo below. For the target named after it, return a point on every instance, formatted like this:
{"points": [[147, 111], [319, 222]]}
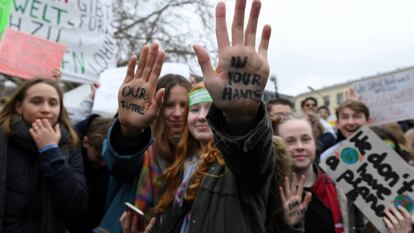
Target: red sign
{"points": [[27, 56]]}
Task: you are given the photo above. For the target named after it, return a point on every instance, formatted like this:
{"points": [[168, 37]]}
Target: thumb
{"points": [[57, 132], [158, 100], [204, 61]]}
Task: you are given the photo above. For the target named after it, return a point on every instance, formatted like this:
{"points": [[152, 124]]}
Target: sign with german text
{"points": [[83, 26], [389, 97], [27, 56], [372, 175]]}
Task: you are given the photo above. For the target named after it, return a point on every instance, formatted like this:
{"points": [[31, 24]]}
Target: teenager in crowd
{"points": [[324, 112], [41, 179], [328, 205], [230, 190], [351, 115], [135, 154], [92, 132]]}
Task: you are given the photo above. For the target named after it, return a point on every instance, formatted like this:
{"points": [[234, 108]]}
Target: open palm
{"points": [[137, 105], [237, 83]]}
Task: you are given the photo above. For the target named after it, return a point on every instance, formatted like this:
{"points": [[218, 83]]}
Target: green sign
{"points": [[5, 6]]}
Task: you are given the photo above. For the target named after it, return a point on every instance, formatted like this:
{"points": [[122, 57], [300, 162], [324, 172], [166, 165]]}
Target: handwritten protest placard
{"points": [[389, 97], [26, 56], [83, 26], [372, 175]]}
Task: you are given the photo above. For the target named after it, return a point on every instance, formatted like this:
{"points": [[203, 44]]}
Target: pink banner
{"points": [[27, 56]]}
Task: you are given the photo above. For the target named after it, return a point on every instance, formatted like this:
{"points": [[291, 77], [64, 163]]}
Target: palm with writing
{"points": [[293, 207], [137, 105], [238, 81]]}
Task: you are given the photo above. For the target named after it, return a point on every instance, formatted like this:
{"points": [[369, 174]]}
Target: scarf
{"points": [[324, 188], [20, 133], [150, 183]]}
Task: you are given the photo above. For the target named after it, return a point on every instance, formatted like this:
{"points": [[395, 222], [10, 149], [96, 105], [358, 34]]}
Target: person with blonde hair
{"points": [[41, 170]]}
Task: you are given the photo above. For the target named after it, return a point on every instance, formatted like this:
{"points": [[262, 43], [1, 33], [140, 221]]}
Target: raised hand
{"points": [[293, 206], [237, 83], [398, 220], [137, 105], [44, 134]]}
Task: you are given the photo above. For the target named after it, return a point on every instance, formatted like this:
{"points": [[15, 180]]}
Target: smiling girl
{"points": [[41, 170]]}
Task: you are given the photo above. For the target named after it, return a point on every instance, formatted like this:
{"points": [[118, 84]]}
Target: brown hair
{"points": [[164, 145], [278, 101], [187, 146], [9, 109], [355, 105], [97, 131]]}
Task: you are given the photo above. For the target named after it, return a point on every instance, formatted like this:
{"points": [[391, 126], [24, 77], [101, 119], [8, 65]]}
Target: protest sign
{"points": [[26, 56], [5, 6], [83, 26], [372, 175], [389, 97], [106, 97]]}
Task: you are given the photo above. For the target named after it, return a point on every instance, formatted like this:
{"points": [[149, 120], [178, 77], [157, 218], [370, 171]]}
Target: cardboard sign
{"points": [[372, 175], [389, 98], [26, 56], [85, 27]]}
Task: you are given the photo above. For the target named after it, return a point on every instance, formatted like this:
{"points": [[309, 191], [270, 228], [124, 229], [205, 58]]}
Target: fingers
{"points": [[150, 225], [391, 218], [238, 23], [134, 226], [250, 37], [142, 61], [221, 28], [204, 61], [389, 225], [282, 195], [131, 68], [153, 53], [294, 185], [307, 200], [156, 105], [264, 42], [287, 187], [57, 130], [301, 184], [156, 69]]}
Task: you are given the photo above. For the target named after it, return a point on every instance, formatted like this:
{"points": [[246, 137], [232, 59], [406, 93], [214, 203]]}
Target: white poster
{"points": [[83, 26], [390, 98], [372, 175]]}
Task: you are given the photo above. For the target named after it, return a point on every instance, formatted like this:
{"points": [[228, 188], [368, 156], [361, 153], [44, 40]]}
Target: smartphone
{"points": [[131, 208]]}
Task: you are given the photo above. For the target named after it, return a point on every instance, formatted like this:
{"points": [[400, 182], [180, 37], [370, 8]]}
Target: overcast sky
{"points": [[319, 43]]}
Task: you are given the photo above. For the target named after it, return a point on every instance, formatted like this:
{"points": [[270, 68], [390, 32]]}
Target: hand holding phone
{"points": [[132, 209], [137, 213]]}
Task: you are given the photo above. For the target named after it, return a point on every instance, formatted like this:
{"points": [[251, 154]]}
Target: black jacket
{"points": [[37, 191]]}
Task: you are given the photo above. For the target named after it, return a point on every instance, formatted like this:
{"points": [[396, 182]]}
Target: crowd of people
{"points": [[205, 156]]}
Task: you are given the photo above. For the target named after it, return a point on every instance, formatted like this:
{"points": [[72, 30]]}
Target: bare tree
{"points": [[175, 24]]}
